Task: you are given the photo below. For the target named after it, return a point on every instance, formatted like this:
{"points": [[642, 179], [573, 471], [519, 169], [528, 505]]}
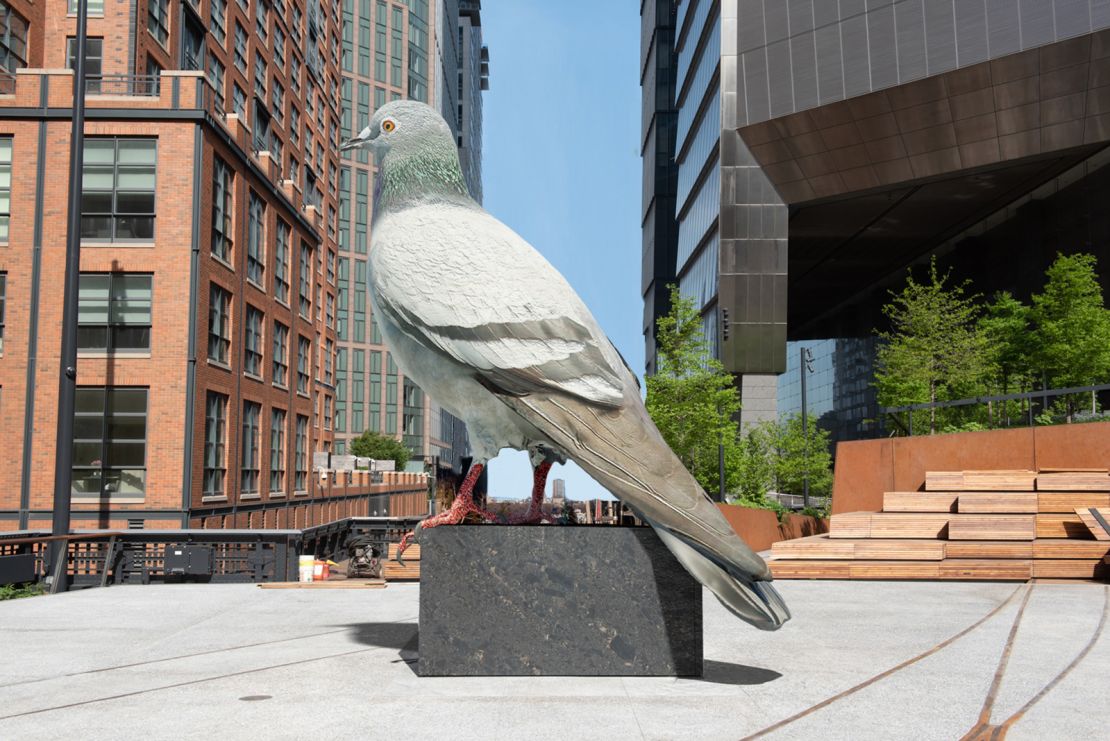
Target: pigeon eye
{"points": [[388, 126]]}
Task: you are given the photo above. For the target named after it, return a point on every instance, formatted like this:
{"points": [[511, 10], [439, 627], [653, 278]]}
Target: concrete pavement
{"points": [[860, 660]]}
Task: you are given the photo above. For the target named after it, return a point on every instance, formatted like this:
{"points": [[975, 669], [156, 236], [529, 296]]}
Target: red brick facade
{"points": [[183, 116]]}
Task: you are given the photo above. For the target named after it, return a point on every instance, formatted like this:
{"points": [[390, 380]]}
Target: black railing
{"points": [[143, 86], [1028, 416]]}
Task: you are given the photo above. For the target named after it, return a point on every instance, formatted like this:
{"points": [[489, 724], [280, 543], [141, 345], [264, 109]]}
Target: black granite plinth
{"points": [[555, 600]]}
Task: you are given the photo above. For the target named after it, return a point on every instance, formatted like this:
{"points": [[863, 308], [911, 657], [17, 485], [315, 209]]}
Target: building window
{"points": [[329, 350], [260, 76], [219, 324], [158, 19], [248, 477], [150, 85], [329, 412], [252, 345], [117, 190], [280, 360], [94, 61], [95, 7], [216, 78], [304, 349], [277, 451], [300, 455], [281, 262], [261, 10], [219, 19], [240, 54], [113, 312], [3, 301], [109, 442], [5, 186], [305, 306], [279, 49], [278, 100], [239, 100], [215, 437], [13, 45], [256, 249], [221, 210]]}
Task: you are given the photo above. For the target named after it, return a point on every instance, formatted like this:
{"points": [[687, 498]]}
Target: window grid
{"points": [[256, 249], [114, 311], [5, 186], [3, 301], [219, 19], [219, 324], [109, 442], [252, 345], [280, 362], [304, 348], [157, 23], [277, 451], [305, 306], [281, 262], [215, 434], [222, 208], [300, 470], [248, 476], [117, 189]]}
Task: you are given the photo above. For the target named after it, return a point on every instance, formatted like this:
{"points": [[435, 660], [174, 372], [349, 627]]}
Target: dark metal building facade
{"points": [[847, 141]]}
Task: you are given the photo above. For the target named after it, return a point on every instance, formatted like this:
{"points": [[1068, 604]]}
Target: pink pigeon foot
{"points": [[535, 514], [460, 508]]}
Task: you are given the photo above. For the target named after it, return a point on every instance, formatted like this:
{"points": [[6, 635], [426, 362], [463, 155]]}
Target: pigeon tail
{"points": [[755, 602], [623, 451]]}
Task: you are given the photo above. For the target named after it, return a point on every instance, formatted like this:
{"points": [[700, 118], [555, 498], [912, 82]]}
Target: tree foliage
{"points": [[933, 351], [942, 345], [380, 448], [692, 398], [798, 456]]}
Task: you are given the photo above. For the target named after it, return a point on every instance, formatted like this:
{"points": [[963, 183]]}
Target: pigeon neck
{"points": [[430, 171]]}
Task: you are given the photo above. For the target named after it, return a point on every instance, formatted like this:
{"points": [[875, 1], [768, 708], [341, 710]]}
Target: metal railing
{"points": [[1029, 414], [141, 86]]}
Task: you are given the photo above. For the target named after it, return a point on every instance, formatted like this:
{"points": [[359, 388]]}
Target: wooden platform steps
{"points": [[987, 525]]}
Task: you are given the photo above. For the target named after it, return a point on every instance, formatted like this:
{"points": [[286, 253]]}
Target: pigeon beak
{"points": [[352, 143]]}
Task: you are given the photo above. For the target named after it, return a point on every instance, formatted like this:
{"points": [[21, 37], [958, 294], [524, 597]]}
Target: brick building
{"points": [[206, 372]]}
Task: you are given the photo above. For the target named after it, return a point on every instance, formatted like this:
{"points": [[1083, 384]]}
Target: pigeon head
{"points": [[416, 151], [401, 125]]}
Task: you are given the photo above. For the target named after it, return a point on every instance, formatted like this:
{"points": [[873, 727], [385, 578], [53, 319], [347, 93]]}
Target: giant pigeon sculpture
{"points": [[487, 327]]}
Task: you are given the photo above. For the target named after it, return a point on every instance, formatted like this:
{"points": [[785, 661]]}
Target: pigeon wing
{"points": [[458, 280]]}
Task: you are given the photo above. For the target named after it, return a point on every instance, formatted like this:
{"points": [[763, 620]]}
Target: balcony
{"points": [[172, 90]]}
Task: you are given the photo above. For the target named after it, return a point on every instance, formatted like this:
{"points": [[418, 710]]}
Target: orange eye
{"points": [[388, 126]]}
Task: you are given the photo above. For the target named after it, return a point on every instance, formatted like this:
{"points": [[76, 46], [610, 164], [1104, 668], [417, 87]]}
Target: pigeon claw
{"points": [[406, 540]]}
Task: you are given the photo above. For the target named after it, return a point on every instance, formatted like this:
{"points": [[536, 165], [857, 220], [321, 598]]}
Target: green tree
{"points": [[380, 448], [933, 351], [798, 455], [691, 398], [1004, 325], [1071, 327], [754, 466]]}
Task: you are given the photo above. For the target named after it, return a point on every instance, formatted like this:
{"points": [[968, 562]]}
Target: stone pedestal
{"points": [[555, 600]]}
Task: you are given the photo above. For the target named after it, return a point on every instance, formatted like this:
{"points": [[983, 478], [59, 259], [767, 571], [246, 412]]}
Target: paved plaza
{"points": [[860, 660]]}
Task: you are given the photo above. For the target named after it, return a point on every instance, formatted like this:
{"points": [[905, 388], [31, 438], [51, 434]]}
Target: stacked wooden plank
{"points": [[410, 571], [992, 525]]}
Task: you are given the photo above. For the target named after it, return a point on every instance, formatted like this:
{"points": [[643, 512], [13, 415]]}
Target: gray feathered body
{"points": [[485, 325]]}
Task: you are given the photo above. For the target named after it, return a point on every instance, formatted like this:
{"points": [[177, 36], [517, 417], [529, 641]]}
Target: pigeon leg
{"points": [[460, 508], [535, 514]]}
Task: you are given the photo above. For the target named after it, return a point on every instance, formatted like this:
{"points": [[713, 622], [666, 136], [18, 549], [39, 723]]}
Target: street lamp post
{"points": [[67, 365], [805, 365]]}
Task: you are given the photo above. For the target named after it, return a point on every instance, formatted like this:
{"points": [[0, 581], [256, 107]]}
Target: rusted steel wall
{"points": [[760, 527], [867, 468]]}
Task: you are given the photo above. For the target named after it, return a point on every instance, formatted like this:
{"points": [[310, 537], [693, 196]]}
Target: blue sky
{"points": [[561, 166]]}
